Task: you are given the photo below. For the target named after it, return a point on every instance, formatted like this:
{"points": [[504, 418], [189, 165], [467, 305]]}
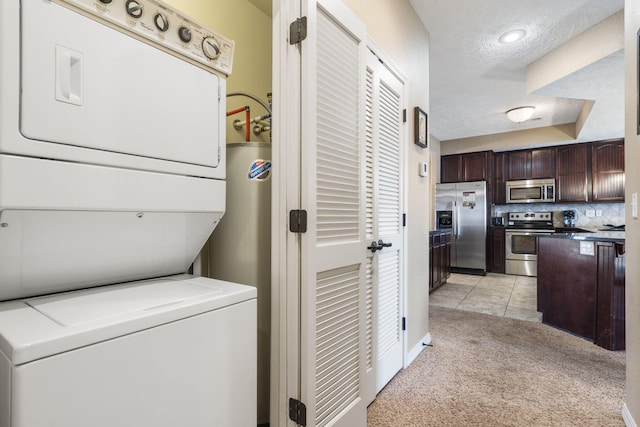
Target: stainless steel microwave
{"points": [[531, 191]]}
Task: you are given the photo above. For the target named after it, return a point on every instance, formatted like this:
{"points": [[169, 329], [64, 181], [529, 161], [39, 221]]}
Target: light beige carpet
{"points": [[484, 370]]}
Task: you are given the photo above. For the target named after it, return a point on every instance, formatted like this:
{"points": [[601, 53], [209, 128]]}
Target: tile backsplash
{"points": [[612, 213]]}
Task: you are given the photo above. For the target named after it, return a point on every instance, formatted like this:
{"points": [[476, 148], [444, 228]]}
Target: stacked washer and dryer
{"points": [[112, 168]]}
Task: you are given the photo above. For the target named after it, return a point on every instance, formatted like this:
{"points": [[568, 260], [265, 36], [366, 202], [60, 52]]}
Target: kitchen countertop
{"points": [[592, 234]]}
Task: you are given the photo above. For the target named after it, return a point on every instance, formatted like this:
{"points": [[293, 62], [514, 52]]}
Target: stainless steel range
{"points": [[521, 254]]}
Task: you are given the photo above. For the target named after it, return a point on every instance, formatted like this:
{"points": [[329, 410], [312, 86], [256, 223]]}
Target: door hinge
{"points": [[297, 412], [298, 30], [298, 221], [404, 116], [404, 323], [404, 219]]}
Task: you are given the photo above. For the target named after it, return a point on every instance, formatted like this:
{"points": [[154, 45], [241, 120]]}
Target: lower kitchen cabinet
{"points": [[495, 250], [439, 258], [582, 290]]}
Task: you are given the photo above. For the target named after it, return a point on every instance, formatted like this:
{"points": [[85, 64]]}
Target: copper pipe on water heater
{"points": [[247, 110]]}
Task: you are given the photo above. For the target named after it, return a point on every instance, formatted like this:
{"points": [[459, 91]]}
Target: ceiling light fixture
{"points": [[512, 36], [520, 114]]}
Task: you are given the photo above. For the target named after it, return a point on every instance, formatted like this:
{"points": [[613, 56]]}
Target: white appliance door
{"points": [[87, 85], [196, 372]]}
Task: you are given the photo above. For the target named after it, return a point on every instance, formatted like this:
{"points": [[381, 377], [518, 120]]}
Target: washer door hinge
{"points": [[298, 30], [298, 221], [297, 412]]}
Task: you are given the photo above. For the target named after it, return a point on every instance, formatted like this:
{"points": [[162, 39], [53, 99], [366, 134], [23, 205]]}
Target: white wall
{"points": [[632, 185], [397, 30]]}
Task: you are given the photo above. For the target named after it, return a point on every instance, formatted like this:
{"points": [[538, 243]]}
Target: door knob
{"points": [[382, 244], [374, 247], [378, 246]]}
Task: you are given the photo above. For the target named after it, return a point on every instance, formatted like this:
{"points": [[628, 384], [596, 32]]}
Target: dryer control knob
{"points": [[105, 1], [185, 34], [134, 8], [210, 47], [161, 22]]}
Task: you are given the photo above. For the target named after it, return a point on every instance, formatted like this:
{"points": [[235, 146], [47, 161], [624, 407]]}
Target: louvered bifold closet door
{"points": [[370, 227], [384, 218], [333, 248]]}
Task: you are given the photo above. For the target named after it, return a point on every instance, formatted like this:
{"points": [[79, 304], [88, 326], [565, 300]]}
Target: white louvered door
{"points": [[333, 259], [384, 135]]}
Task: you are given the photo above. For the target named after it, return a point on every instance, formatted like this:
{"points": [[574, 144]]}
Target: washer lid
{"points": [[102, 304], [40, 327]]}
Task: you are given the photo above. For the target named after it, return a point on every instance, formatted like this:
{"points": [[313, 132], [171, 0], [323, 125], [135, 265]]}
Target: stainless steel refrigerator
{"points": [[462, 207]]}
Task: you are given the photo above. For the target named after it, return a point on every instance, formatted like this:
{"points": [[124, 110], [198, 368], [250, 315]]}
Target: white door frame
{"points": [[285, 246]]}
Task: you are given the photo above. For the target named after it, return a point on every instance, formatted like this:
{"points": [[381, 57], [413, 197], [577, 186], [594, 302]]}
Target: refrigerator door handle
{"points": [[455, 220]]}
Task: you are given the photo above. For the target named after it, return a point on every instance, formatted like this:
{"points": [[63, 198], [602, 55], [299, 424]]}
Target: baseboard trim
{"points": [[415, 351], [626, 416]]}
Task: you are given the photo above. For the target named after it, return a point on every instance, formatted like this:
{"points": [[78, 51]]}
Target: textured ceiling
{"points": [[475, 79]]}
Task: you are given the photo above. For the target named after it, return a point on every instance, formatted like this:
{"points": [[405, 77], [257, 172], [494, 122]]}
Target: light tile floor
{"points": [[497, 294]]}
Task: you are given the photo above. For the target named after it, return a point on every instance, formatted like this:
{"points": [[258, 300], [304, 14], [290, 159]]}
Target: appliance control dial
{"points": [[210, 47], [134, 8], [161, 22], [185, 34], [161, 25]]}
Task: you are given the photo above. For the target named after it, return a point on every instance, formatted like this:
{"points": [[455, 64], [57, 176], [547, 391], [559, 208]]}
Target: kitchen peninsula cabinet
{"points": [[439, 258], [466, 167], [531, 164], [581, 288]]}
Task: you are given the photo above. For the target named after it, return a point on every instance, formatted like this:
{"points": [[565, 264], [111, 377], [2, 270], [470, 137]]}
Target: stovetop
{"points": [[530, 221]]}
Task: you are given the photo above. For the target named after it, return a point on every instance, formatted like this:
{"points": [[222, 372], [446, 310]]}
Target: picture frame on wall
{"points": [[420, 127]]}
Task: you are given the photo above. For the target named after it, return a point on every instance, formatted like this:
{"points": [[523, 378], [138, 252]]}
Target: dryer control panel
{"points": [[163, 26]]}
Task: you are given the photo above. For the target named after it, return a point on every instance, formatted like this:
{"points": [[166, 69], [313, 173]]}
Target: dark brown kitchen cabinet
{"points": [[439, 258], [590, 172], [582, 291], [474, 166], [607, 161], [499, 179], [531, 164], [464, 167], [610, 312], [517, 165], [495, 250], [451, 168], [572, 173]]}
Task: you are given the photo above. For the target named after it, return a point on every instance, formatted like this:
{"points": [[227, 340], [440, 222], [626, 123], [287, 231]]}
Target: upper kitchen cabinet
{"points": [[572, 166], [591, 172], [531, 164], [607, 164], [451, 168], [499, 179], [464, 167]]}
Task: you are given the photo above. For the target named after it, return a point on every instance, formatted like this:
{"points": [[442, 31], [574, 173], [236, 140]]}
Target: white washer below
{"points": [[107, 356]]}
